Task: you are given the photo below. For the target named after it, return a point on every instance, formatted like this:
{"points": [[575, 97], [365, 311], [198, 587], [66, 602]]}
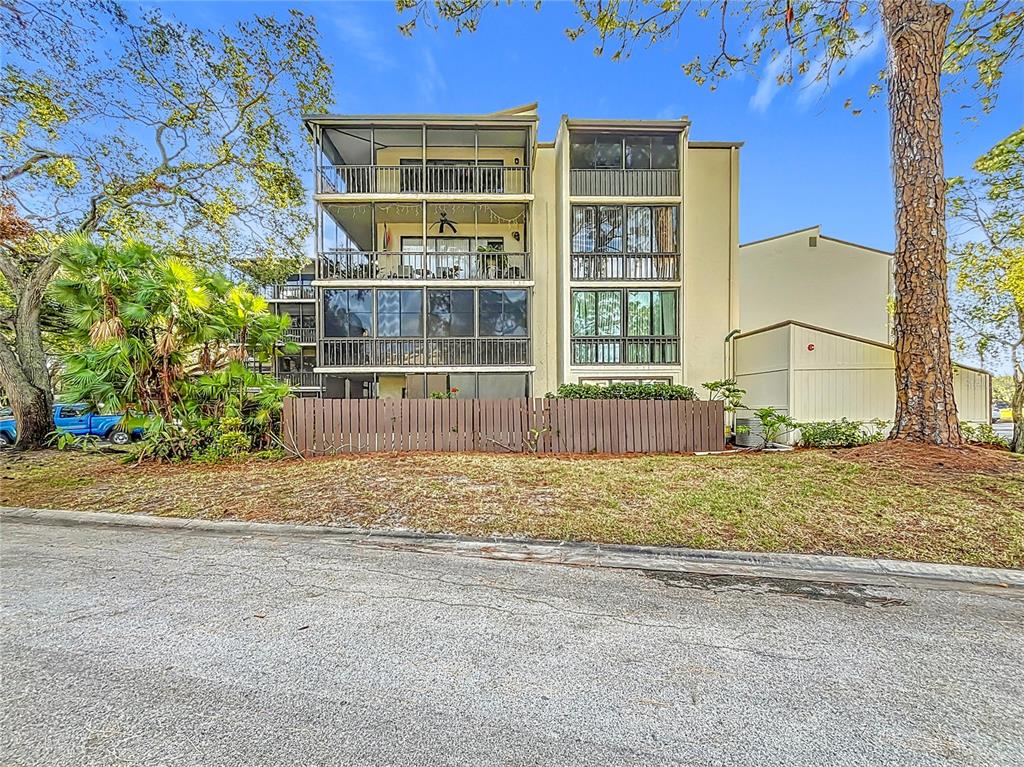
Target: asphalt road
{"points": [[133, 646]]}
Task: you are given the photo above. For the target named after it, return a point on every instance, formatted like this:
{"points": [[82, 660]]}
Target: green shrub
{"points": [[841, 433], [982, 434], [726, 390], [624, 391], [773, 425]]}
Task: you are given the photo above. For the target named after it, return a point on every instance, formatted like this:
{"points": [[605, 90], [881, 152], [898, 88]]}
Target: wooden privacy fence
{"points": [[328, 426]]}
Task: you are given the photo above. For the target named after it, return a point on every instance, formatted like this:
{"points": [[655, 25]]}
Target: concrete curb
{"points": [[810, 567]]}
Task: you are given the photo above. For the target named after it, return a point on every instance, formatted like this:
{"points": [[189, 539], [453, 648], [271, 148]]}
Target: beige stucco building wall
{"points": [[710, 247], [811, 278], [817, 375]]}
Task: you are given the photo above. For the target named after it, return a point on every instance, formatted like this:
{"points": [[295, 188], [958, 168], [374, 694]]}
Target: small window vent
{"points": [[812, 242]]}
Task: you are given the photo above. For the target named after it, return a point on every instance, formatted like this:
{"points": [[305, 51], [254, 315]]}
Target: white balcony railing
{"points": [[625, 266], [652, 350], [300, 335], [423, 179], [387, 265], [433, 352], [288, 292]]}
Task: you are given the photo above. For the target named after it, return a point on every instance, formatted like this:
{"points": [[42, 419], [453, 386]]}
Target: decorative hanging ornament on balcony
{"points": [[443, 221]]}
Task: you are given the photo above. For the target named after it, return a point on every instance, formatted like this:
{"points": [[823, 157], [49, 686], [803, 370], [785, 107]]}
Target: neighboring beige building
{"points": [[818, 374], [806, 276], [459, 252]]}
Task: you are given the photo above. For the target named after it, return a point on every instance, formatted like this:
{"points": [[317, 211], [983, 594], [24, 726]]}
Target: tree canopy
{"points": [[987, 261], [815, 38], [147, 128], [135, 126]]}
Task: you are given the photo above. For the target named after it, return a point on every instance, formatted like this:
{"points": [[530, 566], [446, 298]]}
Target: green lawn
{"points": [[804, 501]]}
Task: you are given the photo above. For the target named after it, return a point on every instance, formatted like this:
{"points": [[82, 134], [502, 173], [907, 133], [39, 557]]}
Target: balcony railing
{"points": [[424, 352], [419, 179], [300, 378], [300, 335], [625, 266], [383, 265], [655, 350], [285, 292], [587, 182]]}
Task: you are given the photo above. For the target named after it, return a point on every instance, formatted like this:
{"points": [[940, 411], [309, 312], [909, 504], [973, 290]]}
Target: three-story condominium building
{"points": [[459, 253]]}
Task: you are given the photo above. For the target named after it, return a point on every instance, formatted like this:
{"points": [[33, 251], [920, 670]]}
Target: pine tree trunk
{"points": [[925, 409]]}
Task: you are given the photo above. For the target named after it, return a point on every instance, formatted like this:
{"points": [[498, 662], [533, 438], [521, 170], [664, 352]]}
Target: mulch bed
{"points": [[926, 459]]}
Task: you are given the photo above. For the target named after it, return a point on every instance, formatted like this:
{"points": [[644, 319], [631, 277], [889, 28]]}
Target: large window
{"points": [[651, 313], [597, 313], [656, 152], [631, 151], [503, 313], [449, 313], [400, 313], [648, 229], [615, 327], [348, 313]]}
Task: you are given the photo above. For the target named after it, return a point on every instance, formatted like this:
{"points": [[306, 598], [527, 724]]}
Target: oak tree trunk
{"points": [[24, 375], [925, 409]]}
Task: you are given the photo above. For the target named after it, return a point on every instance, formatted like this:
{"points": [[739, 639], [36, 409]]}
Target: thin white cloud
{"points": [[362, 40], [768, 86], [813, 84], [429, 81]]}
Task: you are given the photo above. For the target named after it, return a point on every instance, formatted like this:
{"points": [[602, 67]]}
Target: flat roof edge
{"points": [[715, 144], [343, 119], [594, 124]]}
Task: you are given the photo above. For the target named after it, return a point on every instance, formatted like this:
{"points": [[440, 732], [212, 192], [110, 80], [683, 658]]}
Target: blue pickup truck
{"points": [[74, 419]]}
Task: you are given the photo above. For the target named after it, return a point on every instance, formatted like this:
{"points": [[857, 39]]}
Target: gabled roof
{"points": [[815, 231]]}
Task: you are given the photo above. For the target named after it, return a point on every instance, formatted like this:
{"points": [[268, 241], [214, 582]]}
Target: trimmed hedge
{"points": [[841, 433], [624, 391]]}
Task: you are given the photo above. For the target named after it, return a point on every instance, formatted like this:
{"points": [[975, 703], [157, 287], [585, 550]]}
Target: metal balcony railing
{"points": [[653, 350], [625, 266], [420, 179], [422, 352], [288, 292], [617, 182], [300, 335], [342, 264], [300, 378]]}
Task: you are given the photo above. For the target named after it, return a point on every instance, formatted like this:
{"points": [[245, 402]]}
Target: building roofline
{"points": [[888, 253], [715, 144], [840, 334], [625, 125], [521, 115], [815, 228]]}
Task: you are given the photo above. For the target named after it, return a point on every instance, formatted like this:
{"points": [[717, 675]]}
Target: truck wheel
{"points": [[5, 441], [120, 437]]}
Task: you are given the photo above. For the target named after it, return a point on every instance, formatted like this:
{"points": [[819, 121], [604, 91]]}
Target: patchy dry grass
{"points": [[805, 501]]}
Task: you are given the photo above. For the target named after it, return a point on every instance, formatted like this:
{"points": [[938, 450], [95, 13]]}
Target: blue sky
{"points": [[805, 161]]}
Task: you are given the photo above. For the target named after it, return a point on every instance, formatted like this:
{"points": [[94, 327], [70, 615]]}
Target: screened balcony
{"points": [[423, 159], [630, 242], [417, 327], [423, 241], [625, 327], [624, 164]]}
